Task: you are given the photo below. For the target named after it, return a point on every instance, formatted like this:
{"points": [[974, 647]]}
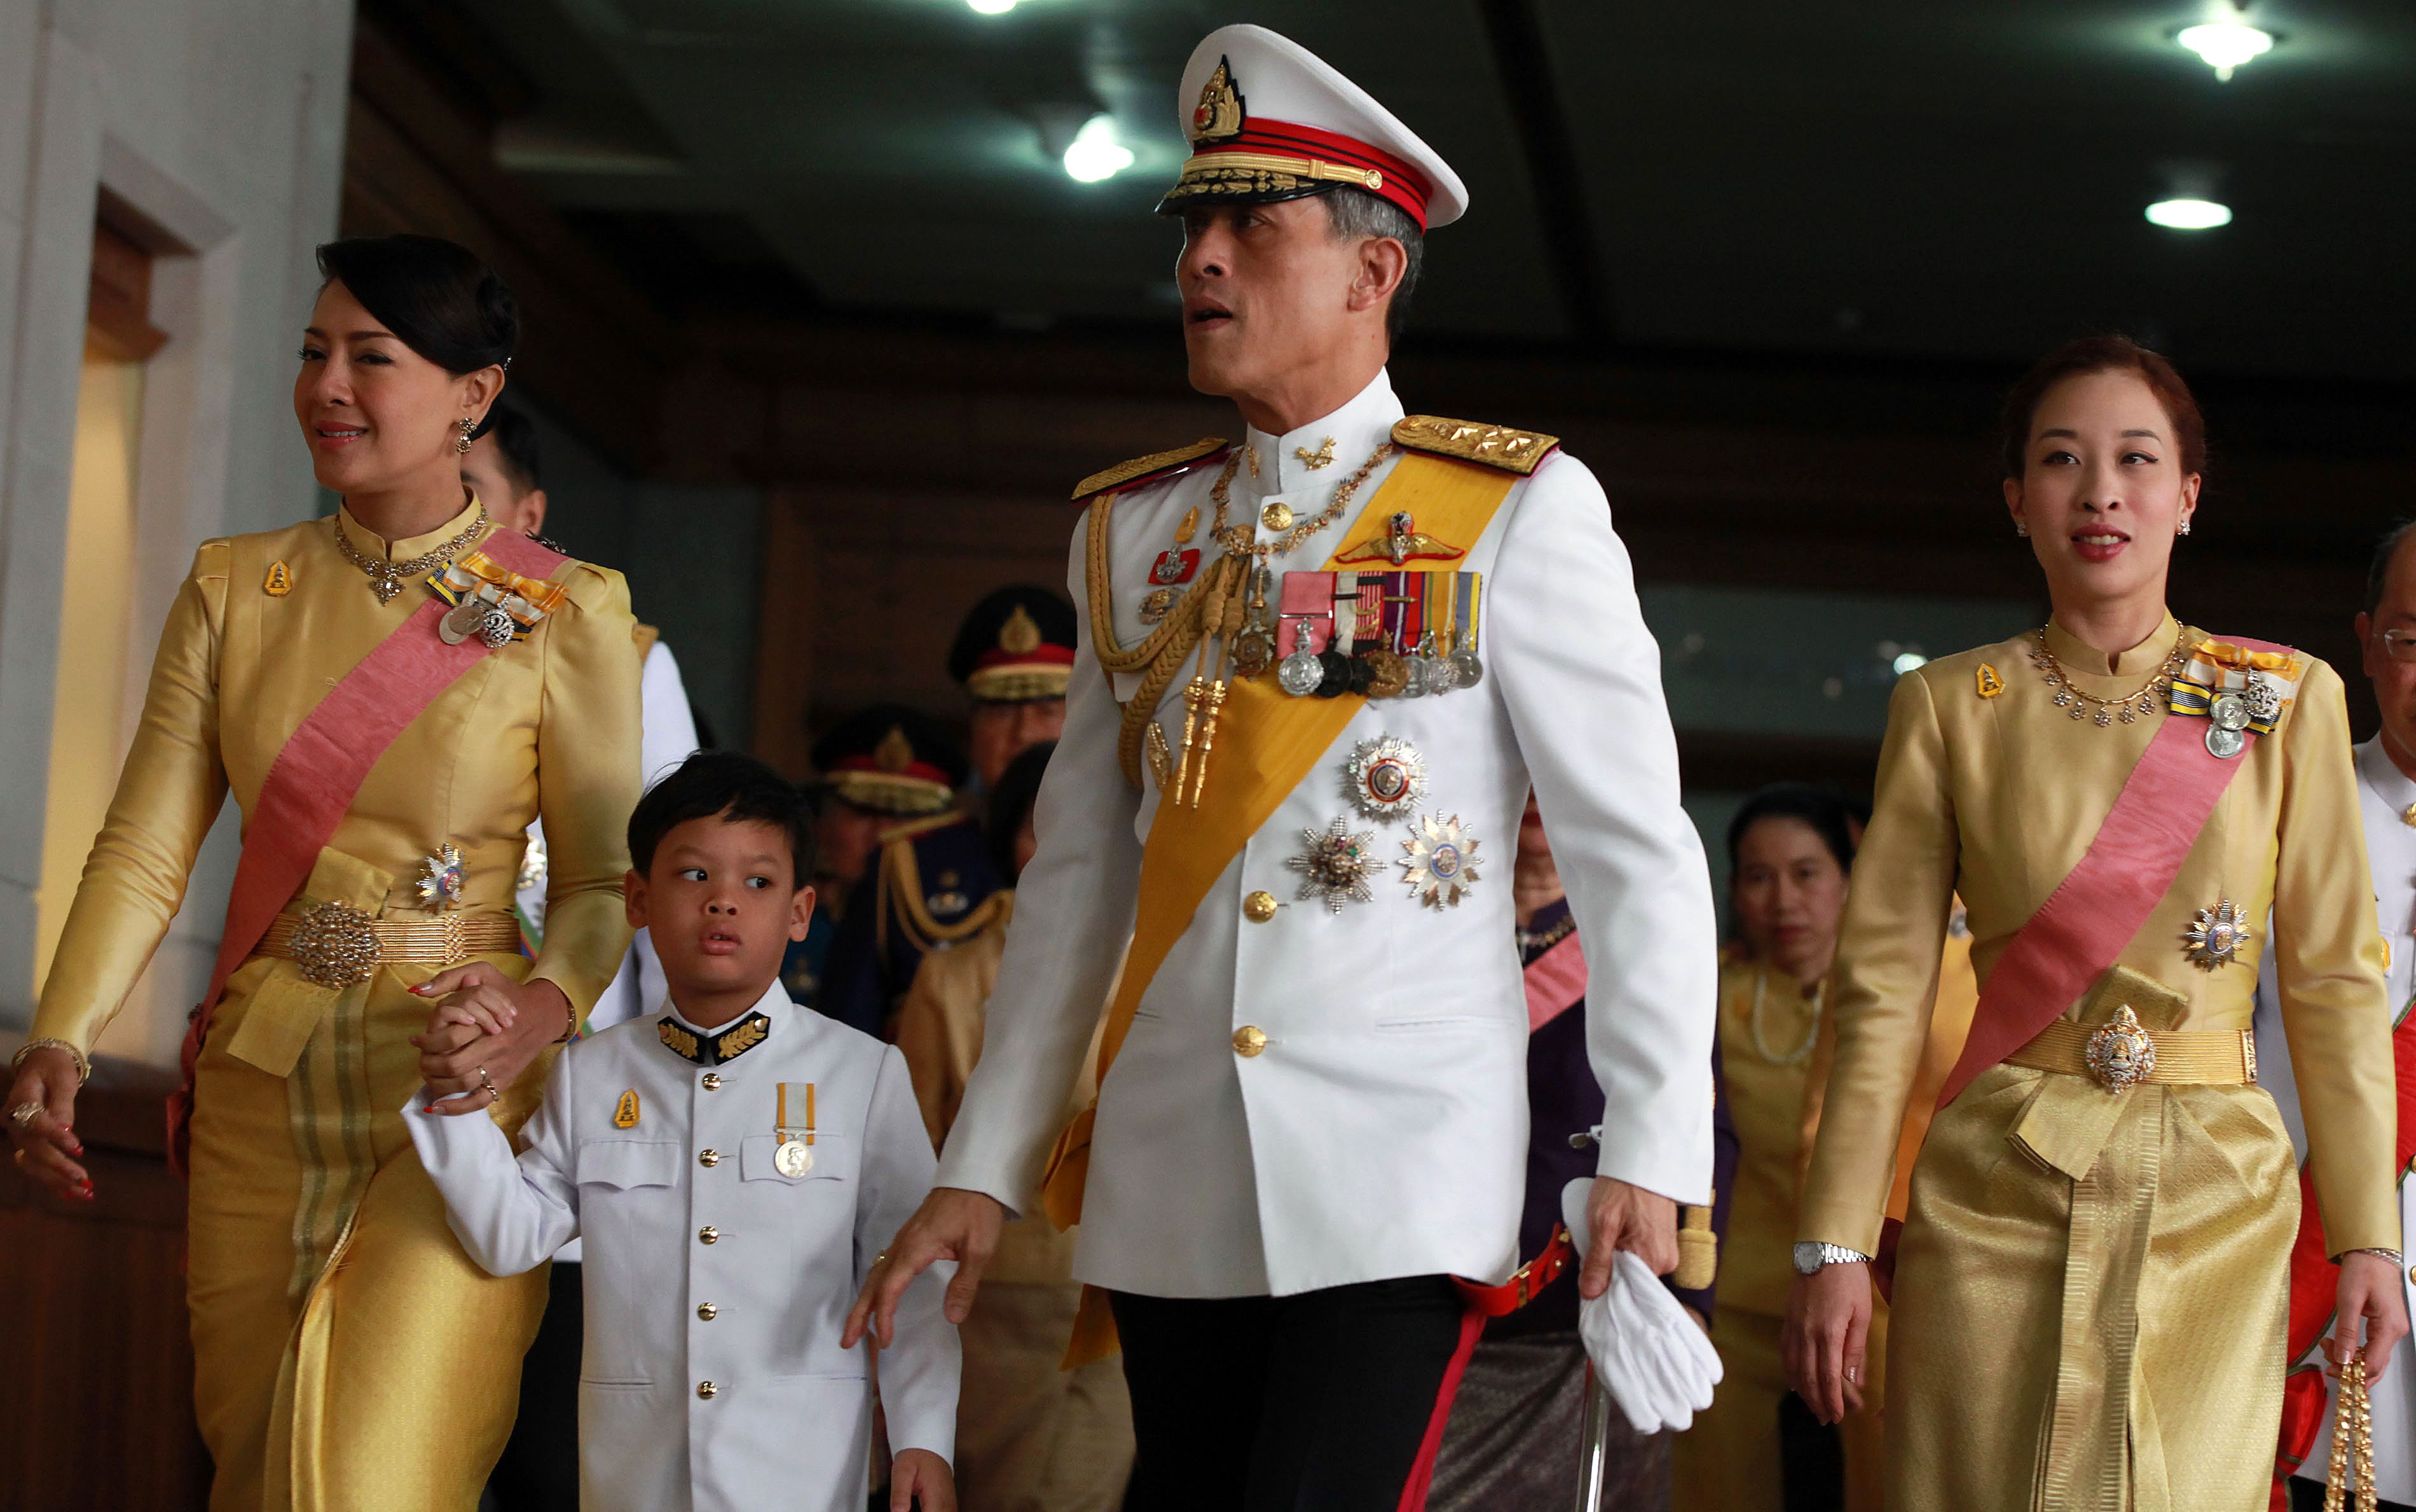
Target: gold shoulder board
{"points": [[1495, 445], [1157, 464]]}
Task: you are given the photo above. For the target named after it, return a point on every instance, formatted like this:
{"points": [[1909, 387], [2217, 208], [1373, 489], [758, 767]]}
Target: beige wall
{"points": [[211, 131]]}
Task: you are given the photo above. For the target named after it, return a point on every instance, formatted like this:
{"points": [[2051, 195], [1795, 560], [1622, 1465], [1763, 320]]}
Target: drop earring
{"points": [[468, 428], [2184, 527]]}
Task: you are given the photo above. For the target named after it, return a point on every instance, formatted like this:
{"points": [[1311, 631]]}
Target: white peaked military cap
{"points": [[1270, 120]]}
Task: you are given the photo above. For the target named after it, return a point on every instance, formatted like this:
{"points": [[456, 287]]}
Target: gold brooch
{"points": [[2215, 936], [336, 946], [2122, 1054], [280, 580], [1989, 682], [625, 1112]]}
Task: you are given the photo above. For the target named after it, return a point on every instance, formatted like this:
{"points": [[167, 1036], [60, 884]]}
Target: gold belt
{"points": [[338, 944], [2122, 1054]]}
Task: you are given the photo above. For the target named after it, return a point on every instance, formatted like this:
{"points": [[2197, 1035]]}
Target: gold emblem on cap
{"points": [[1219, 113], [896, 752], [280, 580], [1019, 636]]}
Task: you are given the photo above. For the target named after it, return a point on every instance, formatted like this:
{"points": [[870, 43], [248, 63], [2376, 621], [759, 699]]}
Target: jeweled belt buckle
{"points": [[335, 944], [2122, 1054]]}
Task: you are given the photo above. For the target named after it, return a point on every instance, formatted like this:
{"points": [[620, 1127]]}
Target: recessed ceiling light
{"points": [[991, 7], [2226, 44], [2189, 215], [1095, 154]]}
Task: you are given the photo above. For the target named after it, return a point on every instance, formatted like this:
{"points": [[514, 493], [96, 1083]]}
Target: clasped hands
{"points": [[485, 1029]]}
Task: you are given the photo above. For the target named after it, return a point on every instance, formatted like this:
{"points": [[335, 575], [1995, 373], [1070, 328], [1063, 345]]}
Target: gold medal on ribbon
{"points": [[796, 1155]]}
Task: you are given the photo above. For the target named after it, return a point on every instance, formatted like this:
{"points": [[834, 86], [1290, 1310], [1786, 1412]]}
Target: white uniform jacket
{"points": [[715, 1286], [2384, 796], [1383, 1131]]}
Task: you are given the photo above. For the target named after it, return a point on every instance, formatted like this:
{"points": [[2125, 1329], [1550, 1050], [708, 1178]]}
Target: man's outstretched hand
{"points": [[952, 1224]]}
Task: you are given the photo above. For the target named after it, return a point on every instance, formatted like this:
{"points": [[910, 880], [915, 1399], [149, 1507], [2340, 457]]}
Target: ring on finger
{"points": [[25, 1113], [487, 1082]]}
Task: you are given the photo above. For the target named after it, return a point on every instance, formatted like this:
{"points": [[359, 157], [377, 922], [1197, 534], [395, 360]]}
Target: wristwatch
{"points": [[1812, 1254]]}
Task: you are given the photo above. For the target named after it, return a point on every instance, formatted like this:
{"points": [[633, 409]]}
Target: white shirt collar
{"points": [[1357, 428], [2383, 778], [774, 998]]}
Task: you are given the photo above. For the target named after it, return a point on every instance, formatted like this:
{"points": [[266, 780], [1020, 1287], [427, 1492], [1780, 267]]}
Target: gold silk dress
{"points": [[348, 1354], [1770, 1062], [2090, 1298]]}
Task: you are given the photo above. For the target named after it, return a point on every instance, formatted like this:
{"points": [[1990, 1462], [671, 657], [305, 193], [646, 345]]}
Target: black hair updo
{"points": [[438, 298]]}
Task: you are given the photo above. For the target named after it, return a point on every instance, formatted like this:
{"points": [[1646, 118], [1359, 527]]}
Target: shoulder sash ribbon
{"points": [[1266, 744], [2100, 907], [310, 786], [1556, 982]]}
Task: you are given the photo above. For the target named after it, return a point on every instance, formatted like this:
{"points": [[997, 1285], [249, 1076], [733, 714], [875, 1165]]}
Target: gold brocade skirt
{"points": [[348, 1355], [2111, 1340]]}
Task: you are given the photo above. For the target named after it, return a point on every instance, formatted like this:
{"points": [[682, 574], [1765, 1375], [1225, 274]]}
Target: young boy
{"points": [[732, 1166]]}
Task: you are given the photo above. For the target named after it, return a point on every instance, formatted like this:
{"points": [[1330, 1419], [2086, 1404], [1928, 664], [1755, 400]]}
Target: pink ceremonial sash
{"points": [[2100, 907], [1556, 982], [310, 786]]}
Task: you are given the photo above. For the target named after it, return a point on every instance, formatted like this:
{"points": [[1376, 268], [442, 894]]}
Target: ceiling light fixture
{"points": [[991, 7], [1095, 154], [2189, 215], [2226, 44]]}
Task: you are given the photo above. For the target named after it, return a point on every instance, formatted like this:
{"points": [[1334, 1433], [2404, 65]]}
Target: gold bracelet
{"points": [[83, 1065]]}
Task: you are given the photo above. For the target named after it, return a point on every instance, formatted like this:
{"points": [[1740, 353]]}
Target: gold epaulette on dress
{"points": [[1495, 445], [1149, 469]]}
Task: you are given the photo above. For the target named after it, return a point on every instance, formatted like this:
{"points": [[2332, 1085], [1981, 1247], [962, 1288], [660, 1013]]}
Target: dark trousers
{"points": [[1311, 1404], [539, 1470], [2308, 1496]]}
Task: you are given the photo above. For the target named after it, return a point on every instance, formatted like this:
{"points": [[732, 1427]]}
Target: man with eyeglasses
{"points": [[2386, 772]]}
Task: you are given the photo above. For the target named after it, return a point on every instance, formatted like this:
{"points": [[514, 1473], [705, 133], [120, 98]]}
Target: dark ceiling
{"points": [[1960, 179]]}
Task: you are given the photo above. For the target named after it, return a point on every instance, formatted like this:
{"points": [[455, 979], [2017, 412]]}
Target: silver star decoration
{"points": [[2215, 936], [1335, 864], [1441, 865]]}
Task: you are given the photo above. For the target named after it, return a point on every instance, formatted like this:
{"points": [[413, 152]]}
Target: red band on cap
{"points": [[921, 771], [1039, 655], [1403, 185]]}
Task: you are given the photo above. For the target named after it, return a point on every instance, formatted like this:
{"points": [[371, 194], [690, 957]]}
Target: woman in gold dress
{"points": [[348, 1355], [2089, 1293], [1789, 850]]}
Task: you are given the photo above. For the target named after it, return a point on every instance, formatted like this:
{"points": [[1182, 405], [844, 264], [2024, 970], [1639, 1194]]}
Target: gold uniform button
{"points": [[708, 1234], [1277, 517], [2411, 1274], [709, 1159], [1259, 907], [707, 1311], [707, 1390], [1249, 1040], [713, 1082]]}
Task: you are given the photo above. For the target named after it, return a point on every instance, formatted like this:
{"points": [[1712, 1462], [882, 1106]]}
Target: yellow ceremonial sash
{"points": [[1266, 742]]}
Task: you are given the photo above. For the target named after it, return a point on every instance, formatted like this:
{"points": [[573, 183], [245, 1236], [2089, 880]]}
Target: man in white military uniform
{"points": [[2386, 773], [1319, 669], [733, 1166]]}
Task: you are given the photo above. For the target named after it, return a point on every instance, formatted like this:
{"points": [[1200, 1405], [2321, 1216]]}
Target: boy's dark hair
{"points": [[514, 437], [1010, 805], [729, 785]]}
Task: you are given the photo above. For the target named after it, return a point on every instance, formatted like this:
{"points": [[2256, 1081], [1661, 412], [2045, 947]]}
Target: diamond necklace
{"points": [[2104, 711], [385, 578]]}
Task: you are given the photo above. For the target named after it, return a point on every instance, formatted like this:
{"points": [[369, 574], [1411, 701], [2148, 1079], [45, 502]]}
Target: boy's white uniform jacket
{"points": [[1382, 1129], [2385, 798], [705, 1263]]}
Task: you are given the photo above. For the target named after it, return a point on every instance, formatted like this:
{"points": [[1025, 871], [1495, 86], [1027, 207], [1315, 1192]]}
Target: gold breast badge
{"points": [[280, 580], [1986, 680], [2215, 936], [625, 1112], [1441, 863], [441, 876]]}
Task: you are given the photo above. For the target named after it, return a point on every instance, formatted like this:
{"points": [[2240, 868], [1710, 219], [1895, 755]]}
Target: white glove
{"points": [[1648, 1353]]}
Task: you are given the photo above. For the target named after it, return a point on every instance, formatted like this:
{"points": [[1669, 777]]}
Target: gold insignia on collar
{"points": [[1321, 457], [625, 1112], [280, 580], [1190, 526], [2408, 816], [1020, 635], [713, 1050], [1495, 445], [1988, 682], [1219, 113]]}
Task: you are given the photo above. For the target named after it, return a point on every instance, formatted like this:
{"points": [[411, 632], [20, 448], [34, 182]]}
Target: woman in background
{"points": [[1790, 849], [348, 1355]]}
